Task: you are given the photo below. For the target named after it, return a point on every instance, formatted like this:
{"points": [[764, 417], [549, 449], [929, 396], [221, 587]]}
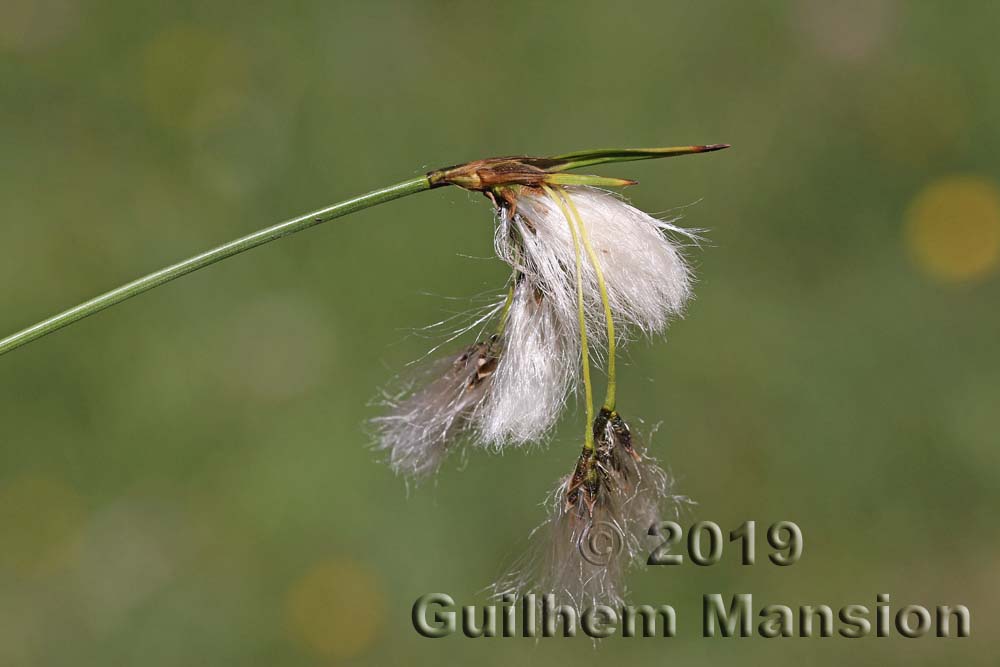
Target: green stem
{"points": [[210, 257], [508, 302], [588, 390], [609, 400]]}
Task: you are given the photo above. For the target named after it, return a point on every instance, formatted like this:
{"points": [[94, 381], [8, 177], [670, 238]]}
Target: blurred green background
{"points": [[184, 479]]}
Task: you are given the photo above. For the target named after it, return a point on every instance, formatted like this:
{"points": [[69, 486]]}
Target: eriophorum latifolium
{"points": [[588, 273]]}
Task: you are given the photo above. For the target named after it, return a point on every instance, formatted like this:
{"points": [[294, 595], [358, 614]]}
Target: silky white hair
{"points": [[508, 389], [647, 279], [539, 365]]}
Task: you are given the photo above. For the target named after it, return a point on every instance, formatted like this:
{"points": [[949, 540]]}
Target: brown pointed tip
{"points": [[714, 147]]}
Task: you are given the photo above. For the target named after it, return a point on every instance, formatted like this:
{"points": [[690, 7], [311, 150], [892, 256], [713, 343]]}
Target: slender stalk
{"points": [[508, 302], [210, 257], [588, 390], [609, 397]]}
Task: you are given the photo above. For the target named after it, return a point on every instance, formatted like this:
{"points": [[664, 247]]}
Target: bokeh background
{"points": [[184, 479]]}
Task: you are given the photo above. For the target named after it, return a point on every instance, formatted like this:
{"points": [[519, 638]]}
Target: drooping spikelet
{"points": [[648, 281], [428, 417], [508, 388], [539, 364], [598, 524]]}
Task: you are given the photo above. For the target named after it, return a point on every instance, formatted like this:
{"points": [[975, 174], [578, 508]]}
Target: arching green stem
{"points": [[508, 302], [609, 398], [588, 390], [210, 257]]}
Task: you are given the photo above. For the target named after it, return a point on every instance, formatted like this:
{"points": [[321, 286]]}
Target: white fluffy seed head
{"points": [[647, 279], [538, 367], [508, 389]]}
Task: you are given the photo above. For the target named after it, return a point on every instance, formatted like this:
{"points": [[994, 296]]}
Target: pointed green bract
{"points": [[587, 179], [600, 156]]}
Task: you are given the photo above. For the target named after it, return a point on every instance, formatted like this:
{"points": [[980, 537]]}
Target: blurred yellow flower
{"points": [[953, 228], [335, 608]]}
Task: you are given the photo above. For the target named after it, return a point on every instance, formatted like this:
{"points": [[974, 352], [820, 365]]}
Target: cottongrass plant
{"points": [[588, 271]]}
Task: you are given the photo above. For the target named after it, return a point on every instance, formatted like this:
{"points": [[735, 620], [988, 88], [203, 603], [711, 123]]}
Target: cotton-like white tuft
{"points": [[507, 389], [539, 363], [647, 278]]}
